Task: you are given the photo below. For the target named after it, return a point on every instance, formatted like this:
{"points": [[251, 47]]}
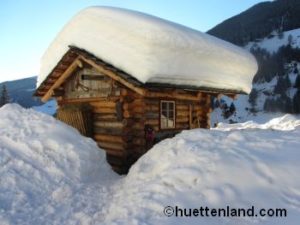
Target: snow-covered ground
{"points": [[49, 174]]}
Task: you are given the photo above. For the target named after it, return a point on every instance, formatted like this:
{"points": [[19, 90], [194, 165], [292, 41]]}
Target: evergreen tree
{"points": [[296, 102], [4, 98], [290, 39], [285, 104], [269, 105], [282, 85], [232, 108], [252, 97], [297, 82]]}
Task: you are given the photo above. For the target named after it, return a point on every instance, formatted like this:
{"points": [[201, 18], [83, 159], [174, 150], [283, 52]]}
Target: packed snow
{"points": [[153, 50], [50, 174]]}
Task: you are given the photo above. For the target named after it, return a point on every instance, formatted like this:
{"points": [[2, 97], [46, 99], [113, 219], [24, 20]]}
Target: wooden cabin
{"points": [[124, 116]]}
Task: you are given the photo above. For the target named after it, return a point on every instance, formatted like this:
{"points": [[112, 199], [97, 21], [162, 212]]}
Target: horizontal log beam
{"points": [[105, 116], [152, 115], [114, 146], [105, 104], [115, 152], [108, 124], [104, 110], [112, 131], [87, 100], [182, 107], [109, 138], [152, 121], [171, 95]]}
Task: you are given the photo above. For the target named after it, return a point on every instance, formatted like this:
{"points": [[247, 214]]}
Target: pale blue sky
{"points": [[28, 26]]}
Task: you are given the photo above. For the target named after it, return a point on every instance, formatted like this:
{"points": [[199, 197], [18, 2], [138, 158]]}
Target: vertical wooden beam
{"points": [[190, 116]]}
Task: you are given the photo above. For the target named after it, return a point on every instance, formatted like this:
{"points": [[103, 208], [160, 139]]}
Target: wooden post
{"points": [[190, 116]]}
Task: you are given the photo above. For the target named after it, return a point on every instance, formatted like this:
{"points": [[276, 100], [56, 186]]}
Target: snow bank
{"points": [[153, 50], [215, 168], [45, 167], [49, 174]]}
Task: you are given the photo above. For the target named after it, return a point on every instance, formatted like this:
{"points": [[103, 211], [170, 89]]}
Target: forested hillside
{"points": [[21, 92], [259, 21], [270, 30]]}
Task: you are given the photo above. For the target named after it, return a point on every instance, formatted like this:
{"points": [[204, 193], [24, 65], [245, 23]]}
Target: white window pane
{"points": [[163, 123], [167, 114]]}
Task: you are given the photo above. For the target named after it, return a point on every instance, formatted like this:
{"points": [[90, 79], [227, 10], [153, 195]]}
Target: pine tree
{"points": [[296, 102], [4, 98], [232, 108], [282, 85], [297, 82], [252, 97], [290, 39]]}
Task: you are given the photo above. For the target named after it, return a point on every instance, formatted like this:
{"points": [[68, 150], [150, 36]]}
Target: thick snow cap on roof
{"points": [[153, 50]]}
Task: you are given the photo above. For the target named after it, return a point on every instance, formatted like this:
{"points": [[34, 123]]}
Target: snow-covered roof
{"points": [[153, 50]]}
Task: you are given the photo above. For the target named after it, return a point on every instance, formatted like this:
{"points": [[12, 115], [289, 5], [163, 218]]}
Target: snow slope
{"points": [[274, 43], [153, 50], [264, 89], [49, 174]]}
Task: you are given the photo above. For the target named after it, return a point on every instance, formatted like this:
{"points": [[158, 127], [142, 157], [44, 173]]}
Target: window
{"points": [[167, 114]]}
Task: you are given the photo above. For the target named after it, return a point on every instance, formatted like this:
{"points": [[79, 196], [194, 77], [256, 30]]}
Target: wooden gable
{"points": [[89, 83], [74, 60]]}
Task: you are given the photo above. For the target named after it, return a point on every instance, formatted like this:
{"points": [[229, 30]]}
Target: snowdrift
{"points": [[44, 167], [231, 166], [153, 50], [49, 174]]}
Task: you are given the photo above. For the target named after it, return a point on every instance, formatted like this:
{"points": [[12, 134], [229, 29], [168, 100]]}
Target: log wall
{"points": [[108, 132], [119, 121], [134, 108]]}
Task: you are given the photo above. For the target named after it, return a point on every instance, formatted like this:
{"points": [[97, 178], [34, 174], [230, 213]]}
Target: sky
{"points": [[27, 27]]}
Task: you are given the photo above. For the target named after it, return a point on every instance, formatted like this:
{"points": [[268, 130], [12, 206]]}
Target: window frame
{"points": [[168, 110]]}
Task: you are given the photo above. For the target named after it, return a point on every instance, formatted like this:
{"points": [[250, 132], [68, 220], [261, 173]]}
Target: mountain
{"points": [[259, 21], [21, 92], [270, 31]]}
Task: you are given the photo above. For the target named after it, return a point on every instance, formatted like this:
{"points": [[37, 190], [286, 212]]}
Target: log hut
{"points": [[123, 114]]}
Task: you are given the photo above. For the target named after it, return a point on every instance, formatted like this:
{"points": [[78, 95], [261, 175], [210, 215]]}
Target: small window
{"points": [[167, 114]]}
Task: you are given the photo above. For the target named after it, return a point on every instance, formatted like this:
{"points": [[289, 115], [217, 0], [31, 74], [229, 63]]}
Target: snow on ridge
{"points": [[153, 50], [273, 44]]}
